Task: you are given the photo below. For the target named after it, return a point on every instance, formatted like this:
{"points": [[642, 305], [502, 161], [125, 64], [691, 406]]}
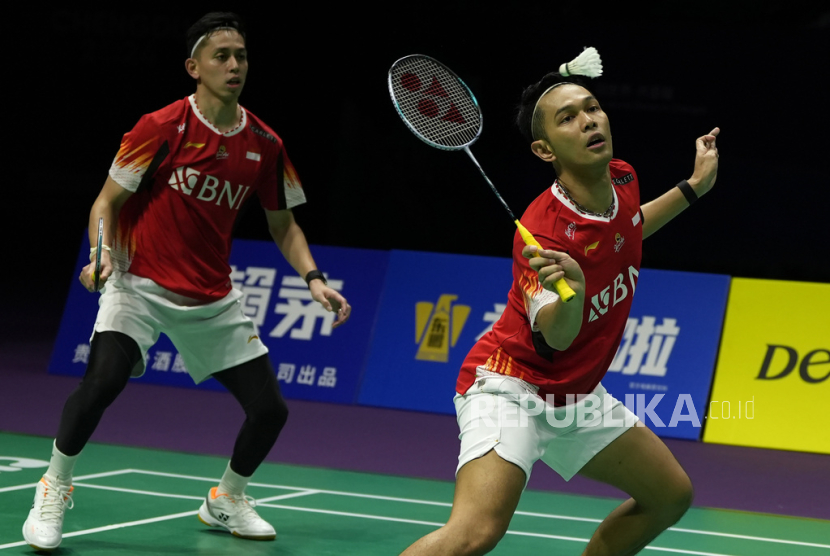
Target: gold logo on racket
{"points": [[438, 326]]}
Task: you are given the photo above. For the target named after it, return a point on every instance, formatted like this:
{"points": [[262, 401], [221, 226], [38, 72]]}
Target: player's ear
{"points": [[191, 67], [543, 150]]}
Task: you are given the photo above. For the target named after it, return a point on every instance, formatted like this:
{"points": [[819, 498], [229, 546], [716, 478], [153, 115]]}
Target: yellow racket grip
{"points": [[562, 288]]}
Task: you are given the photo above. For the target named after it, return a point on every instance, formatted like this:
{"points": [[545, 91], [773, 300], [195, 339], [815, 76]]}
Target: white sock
{"points": [[232, 482], [61, 466]]}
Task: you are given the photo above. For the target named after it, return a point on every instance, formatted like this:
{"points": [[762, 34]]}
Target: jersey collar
{"points": [[567, 202], [242, 121]]}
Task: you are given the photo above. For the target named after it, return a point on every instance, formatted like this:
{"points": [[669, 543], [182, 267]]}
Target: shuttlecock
{"points": [[588, 63]]}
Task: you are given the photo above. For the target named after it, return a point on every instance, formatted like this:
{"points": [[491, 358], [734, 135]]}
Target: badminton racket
{"points": [[439, 108], [98, 253]]}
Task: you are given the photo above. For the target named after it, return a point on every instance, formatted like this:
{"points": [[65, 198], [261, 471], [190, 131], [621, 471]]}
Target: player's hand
{"points": [[87, 276], [706, 163], [331, 300], [553, 265]]}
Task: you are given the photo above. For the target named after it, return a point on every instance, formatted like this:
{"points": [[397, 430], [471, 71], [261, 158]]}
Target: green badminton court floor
{"points": [[138, 501]]}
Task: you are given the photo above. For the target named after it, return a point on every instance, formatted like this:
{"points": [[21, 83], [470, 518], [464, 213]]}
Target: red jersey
{"points": [[189, 180], [609, 251]]}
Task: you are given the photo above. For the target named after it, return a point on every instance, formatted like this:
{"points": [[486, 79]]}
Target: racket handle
{"points": [[96, 275], [562, 288]]}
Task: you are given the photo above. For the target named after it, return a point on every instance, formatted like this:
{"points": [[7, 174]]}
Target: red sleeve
{"points": [[280, 186], [138, 148]]}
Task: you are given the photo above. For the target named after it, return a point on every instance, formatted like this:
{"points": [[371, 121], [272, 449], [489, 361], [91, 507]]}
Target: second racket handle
{"points": [[565, 292], [96, 276]]}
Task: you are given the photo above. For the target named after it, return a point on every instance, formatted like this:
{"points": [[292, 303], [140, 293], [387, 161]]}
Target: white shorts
{"points": [[506, 415], [210, 337]]}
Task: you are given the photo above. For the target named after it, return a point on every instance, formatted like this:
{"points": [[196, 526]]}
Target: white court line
{"points": [[530, 514], [111, 527], [659, 548], [212, 479], [436, 524], [750, 538], [134, 491], [693, 531], [150, 520], [582, 519], [78, 478], [191, 497], [303, 490]]}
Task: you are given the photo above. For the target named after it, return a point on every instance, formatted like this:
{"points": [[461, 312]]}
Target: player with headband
{"points": [[170, 202], [530, 388]]}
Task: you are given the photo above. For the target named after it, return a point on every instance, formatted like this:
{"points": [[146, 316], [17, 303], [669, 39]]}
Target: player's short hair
{"points": [[530, 124], [210, 23]]}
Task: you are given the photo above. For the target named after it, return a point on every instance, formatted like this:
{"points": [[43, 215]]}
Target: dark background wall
{"points": [[79, 77]]}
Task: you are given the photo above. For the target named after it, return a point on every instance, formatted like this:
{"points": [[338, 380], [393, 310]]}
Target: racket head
{"points": [[434, 103], [98, 253]]}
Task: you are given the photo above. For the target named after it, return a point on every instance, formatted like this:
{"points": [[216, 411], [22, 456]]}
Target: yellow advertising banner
{"points": [[772, 380]]}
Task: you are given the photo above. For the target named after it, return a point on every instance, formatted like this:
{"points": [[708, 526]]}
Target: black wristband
{"points": [[687, 191], [314, 275]]}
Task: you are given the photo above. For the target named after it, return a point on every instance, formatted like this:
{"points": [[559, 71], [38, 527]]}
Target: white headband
{"points": [[536, 106], [203, 37], [588, 63]]}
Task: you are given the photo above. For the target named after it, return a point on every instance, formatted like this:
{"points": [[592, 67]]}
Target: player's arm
{"points": [[558, 322], [107, 205], [658, 212], [292, 243]]}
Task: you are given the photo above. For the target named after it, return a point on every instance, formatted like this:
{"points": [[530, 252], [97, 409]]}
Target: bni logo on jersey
{"points": [[646, 347], [438, 326]]}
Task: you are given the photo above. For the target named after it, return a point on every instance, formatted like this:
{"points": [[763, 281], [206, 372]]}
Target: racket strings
{"points": [[434, 103]]}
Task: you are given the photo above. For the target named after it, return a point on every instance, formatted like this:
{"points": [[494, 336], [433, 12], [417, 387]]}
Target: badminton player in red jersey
{"points": [[530, 388], [173, 193]]}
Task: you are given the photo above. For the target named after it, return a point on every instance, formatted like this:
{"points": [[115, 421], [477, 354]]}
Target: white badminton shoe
{"points": [[43, 528], [236, 514]]}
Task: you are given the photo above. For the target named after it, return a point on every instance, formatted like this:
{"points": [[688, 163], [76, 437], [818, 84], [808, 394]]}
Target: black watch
{"points": [[315, 275]]}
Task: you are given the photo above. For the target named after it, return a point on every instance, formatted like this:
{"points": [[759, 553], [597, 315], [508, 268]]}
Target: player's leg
{"points": [[112, 358], [254, 385], [487, 491], [212, 339], [500, 441], [639, 464], [113, 355]]}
